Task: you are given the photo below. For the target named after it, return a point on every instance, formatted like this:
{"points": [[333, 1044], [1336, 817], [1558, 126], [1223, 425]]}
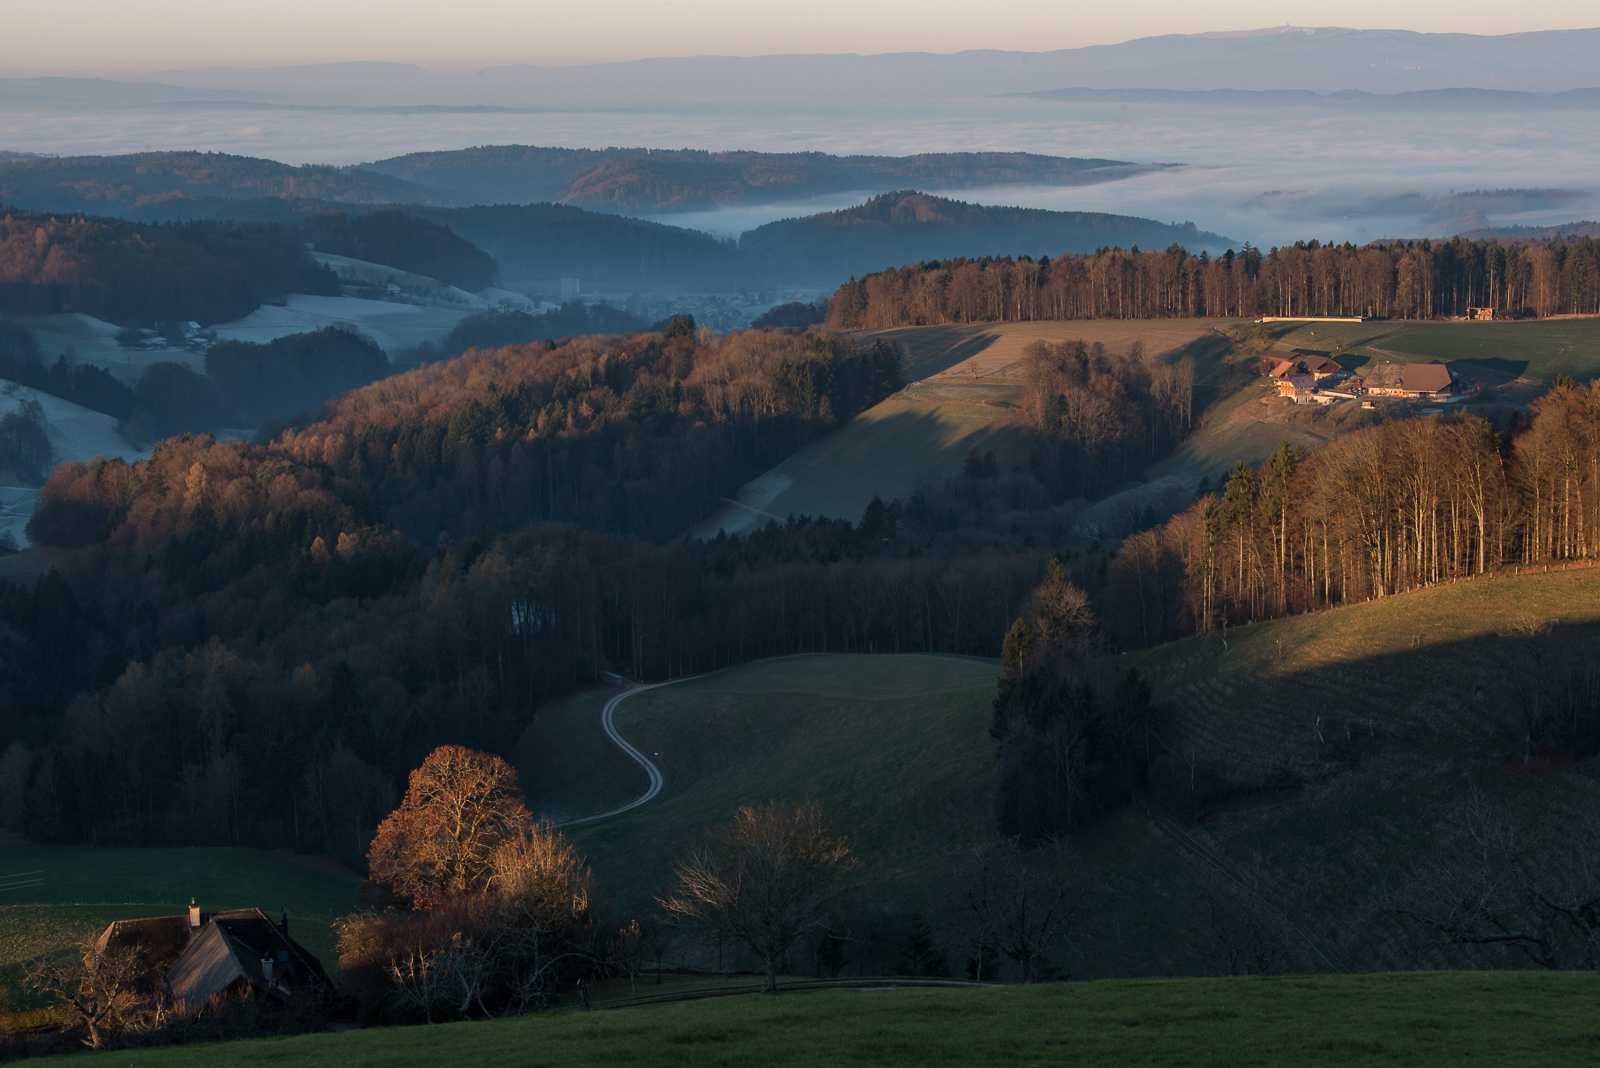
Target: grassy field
{"points": [[1344, 1021], [1410, 695], [916, 437], [566, 765], [895, 746], [1493, 354], [50, 896], [995, 349], [1413, 697]]}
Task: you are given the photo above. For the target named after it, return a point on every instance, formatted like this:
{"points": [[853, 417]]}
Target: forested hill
{"points": [[166, 181], [636, 434], [655, 181], [550, 241], [900, 227], [401, 239], [121, 271], [264, 592]]}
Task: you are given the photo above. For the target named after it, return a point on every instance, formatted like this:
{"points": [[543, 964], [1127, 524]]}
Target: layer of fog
{"points": [[1262, 175]]}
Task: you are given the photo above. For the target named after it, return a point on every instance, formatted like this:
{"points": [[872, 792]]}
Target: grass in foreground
{"points": [[1410, 1019]]}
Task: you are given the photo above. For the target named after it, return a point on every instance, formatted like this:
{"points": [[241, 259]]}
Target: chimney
{"points": [[194, 914], [283, 924], [266, 968]]}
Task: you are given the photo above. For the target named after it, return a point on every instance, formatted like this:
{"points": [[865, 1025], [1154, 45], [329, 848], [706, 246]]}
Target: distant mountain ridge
{"points": [[1321, 59], [1346, 99], [659, 181]]}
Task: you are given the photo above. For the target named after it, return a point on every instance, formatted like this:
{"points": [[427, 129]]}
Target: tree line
{"points": [[1399, 279], [1384, 509]]}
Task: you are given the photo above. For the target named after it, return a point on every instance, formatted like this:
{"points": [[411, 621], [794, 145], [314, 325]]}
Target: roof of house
{"points": [[232, 947], [158, 940], [1282, 367], [1315, 362], [1299, 382], [1410, 377]]}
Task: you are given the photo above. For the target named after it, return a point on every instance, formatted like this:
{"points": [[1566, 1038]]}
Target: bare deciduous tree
{"points": [[1019, 911], [766, 879], [1486, 888], [90, 987]]}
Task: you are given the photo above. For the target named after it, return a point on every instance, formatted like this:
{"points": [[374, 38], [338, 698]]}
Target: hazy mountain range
{"points": [[1320, 60]]}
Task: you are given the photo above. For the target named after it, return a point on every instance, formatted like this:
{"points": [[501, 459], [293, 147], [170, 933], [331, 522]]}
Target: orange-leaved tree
{"points": [[460, 808]]}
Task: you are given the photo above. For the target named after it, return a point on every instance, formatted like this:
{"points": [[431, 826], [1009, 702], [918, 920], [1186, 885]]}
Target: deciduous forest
{"points": [[1401, 279]]}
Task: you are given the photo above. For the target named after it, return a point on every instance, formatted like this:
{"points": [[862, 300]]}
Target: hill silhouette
{"points": [[656, 181], [909, 225]]}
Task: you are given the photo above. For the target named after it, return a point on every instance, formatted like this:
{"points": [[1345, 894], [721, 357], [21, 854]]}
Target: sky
{"points": [[111, 38]]}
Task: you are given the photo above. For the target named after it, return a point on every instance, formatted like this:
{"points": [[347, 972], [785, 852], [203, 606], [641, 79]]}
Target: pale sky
{"points": [[113, 38]]}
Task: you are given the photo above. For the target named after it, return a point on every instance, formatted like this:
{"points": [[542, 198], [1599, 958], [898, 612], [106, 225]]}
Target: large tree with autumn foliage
{"points": [[460, 808]]}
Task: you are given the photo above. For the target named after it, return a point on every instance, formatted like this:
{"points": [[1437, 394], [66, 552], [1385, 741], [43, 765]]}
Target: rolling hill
{"points": [[909, 226], [1325, 752], [164, 182], [661, 181], [538, 244]]}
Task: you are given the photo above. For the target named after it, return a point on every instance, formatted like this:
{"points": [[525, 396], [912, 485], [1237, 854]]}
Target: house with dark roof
{"points": [[198, 958], [1421, 381]]}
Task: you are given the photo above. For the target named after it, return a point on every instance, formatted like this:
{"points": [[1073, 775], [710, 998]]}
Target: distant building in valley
{"points": [[569, 289]]}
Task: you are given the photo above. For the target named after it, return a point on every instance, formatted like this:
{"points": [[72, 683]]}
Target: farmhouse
{"points": [[1424, 381], [197, 958], [1297, 386]]}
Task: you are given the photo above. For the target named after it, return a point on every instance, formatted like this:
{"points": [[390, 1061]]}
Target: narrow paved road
{"points": [[607, 721]]}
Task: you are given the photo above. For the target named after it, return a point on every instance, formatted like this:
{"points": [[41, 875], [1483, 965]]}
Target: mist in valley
{"points": [[1267, 175]]}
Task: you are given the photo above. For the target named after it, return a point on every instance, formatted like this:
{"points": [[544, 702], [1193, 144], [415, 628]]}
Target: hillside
{"points": [[538, 244], [165, 181], [126, 272], [1414, 696], [913, 440], [907, 226], [967, 384], [1323, 1022], [662, 181]]}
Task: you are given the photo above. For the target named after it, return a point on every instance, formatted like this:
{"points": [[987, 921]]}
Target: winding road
{"points": [[607, 721]]}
